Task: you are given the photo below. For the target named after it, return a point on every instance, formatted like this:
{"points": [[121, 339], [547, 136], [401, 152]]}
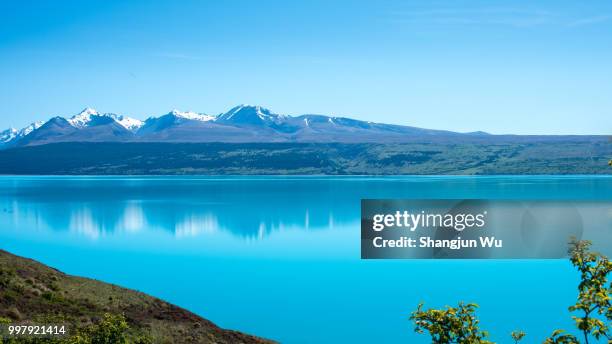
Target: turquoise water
{"points": [[278, 257]]}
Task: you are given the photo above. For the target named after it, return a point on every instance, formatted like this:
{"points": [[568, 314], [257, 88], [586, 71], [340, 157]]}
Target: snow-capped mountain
{"points": [[12, 135], [30, 128], [88, 116], [8, 135], [174, 125], [192, 115], [83, 118], [129, 123], [243, 123], [249, 114]]}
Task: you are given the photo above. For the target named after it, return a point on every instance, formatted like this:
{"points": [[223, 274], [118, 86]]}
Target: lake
{"points": [[279, 257]]}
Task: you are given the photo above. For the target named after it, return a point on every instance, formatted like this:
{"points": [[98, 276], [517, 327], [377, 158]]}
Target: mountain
{"points": [[189, 115], [241, 124], [54, 129], [89, 116], [58, 129], [86, 126], [250, 115], [8, 135], [317, 128], [11, 136], [171, 120]]}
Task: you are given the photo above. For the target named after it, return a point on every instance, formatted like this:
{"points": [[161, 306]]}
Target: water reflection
{"points": [[251, 211], [249, 208]]}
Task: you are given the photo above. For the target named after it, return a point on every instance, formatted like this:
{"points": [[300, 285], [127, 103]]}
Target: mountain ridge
{"points": [[242, 123]]}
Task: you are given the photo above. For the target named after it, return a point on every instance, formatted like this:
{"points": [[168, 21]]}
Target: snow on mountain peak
{"points": [[248, 112], [8, 135], [14, 134], [81, 119], [88, 111], [30, 128], [129, 123], [192, 115]]}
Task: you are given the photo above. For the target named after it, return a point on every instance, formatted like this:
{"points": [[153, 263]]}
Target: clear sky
{"points": [[525, 67]]}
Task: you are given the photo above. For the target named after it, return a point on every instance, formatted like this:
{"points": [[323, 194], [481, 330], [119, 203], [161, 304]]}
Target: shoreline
{"points": [[34, 293]]}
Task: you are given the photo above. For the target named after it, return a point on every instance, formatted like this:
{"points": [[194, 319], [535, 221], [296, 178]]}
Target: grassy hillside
{"points": [[573, 155], [33, 292]]}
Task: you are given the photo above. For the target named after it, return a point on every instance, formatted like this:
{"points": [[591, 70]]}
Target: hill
{"points": [[33, 292], [436, 158]]}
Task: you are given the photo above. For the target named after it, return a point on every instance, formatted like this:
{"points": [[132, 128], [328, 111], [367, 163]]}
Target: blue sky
{"points": [[525, 67]]}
